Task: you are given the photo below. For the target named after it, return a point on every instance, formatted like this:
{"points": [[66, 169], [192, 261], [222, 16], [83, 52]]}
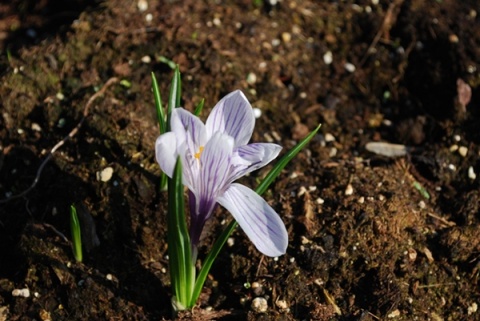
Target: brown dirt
{"points": [[365, 242]]}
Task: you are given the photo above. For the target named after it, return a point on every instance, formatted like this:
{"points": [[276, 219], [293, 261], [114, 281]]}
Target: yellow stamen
{"points": [[197, 155]]}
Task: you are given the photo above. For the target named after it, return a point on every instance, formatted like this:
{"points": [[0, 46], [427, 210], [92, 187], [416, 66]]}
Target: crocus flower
{"points": [[214, 155]]}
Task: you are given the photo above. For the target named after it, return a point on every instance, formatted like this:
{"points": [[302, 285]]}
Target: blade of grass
{"points": [[175, 94], [199, 107], [182, 271], [76, 234], [158, 105], [262, 187]]}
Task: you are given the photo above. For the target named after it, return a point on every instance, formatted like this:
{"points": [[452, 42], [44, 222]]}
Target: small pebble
{"points": [[451, 167], [146, 59], [320, 201], [453, 148], [349, 67], [463, 151], [230, 241], [286, 37], [259, 305], [329, 138], [394, 314], [349, 190], [282, 305], [422, 204], [36, 127], [471, 173], [105, 175], [328, 57], [148, 17], [472, 308], [251, 79], [25, 293], [109, 277], [142, 5], [361, 200]]}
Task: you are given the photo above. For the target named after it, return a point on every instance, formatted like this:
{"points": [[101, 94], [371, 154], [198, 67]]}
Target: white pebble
{"points": [[146, 59], [422, 204], [105, 175], [142, 5], [25, 293], [109, 277], [463, 151], [260, 305], [457, 138], [148, 17], [472, 308], [452, 167], [471, 173], [217, 22], [329, 138], [230, 241], [320, 201], [282, 304], [328, 57], [349, 190], [36, 127], [349, 67], [251, 79], [361, 200]]}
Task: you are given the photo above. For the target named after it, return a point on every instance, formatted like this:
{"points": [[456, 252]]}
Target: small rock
{"points": [[251, 79], [286, 37], [328, 58], [105, 175], [349, 67], [282, 305], [257, 113], [349, 190], [146, 59], [463, 151], [471, 173], [21, 292], [142, 5], [260, 305]]}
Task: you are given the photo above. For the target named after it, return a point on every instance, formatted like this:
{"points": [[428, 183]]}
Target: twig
{"points": [[70, 135]]}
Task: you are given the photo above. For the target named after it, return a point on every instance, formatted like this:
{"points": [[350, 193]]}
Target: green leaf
{"points": [[182, 269], [175, 94], [158, 105], [217, 246], [167, 61], [76, 234], [199, 107]]}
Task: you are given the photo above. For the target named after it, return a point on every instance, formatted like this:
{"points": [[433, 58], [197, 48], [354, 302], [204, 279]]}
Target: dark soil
{"points": [[372, 237]]}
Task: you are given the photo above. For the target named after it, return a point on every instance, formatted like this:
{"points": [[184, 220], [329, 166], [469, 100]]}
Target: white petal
{"points": [[257, 219], [188, 128], [166, 152], [232, 115], [214, 172], [251, 157]]}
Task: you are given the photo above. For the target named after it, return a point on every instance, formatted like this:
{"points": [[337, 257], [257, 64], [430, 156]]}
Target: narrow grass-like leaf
{"points": [[262, 187], [175, 94], [182, 270], [199, 107], [158, 105], [76, 234], [168, 62]]}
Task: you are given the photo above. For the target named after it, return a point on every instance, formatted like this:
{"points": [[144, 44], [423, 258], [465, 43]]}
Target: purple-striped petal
{"points": [[258, 220], [214, 172], [247, 158], [232, 115], [188, 128], [166, 152]]}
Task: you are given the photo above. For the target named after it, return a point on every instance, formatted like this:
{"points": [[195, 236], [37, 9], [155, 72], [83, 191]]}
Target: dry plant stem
{"points": [[70, 135]]}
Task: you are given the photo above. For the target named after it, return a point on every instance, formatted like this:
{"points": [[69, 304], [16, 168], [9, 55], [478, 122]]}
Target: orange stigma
{"points": [[197, 155]]}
